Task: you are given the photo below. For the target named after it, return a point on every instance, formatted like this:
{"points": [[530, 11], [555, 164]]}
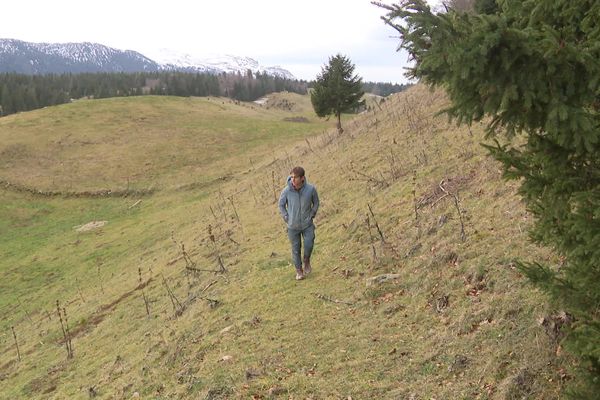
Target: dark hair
{"points": [[297, 171]]}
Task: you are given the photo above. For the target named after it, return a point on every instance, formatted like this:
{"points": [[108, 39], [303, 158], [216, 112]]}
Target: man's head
{"points": [[297, 175]]}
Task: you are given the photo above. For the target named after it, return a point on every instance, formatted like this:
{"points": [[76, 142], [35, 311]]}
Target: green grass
{"points": [[269, 336]]}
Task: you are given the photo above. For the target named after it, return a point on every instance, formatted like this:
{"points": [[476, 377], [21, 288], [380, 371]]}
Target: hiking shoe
{"points": [[299, 274], [307, 267]]}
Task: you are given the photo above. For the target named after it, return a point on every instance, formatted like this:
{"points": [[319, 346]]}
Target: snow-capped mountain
{"points": [[42, 58], [215, 63]]}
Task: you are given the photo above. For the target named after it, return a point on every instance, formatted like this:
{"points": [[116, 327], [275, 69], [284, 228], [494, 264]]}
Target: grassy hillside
{"points": [[187, 291]]}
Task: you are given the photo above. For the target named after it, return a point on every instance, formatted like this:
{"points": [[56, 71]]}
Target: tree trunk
{"points": [[339, 124]]}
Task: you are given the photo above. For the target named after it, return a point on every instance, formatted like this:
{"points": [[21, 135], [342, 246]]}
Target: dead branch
{"points": [[376, 224], [215, 271], [16, 342], [208, 286], [134, 204], [231, 240], [331, 299], [212, 303], [440, 199], [375, 181]]}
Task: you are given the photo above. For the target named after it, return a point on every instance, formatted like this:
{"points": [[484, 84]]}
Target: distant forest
{"points": [[383, 89], [20, 92]]}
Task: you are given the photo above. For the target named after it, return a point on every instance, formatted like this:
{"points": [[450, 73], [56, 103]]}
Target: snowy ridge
{"points": [[170, 59], [42, 58]]}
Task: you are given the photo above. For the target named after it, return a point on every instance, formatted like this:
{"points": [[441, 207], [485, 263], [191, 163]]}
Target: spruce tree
{"points": [[337, 89], [532, 67]]}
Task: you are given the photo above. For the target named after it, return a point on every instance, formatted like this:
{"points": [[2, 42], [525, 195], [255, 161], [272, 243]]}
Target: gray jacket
{"points": [[298, 207]]}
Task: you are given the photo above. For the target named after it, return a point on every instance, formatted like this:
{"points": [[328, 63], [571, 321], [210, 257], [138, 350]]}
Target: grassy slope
{"points": [[459, 322]]}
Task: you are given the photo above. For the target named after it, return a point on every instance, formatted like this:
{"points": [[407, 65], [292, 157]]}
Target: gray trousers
{"points": [[295, 236]]}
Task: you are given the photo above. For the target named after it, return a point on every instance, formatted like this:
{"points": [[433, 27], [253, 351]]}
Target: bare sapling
{"points": [[65, 329], [311, 149], [376, 224], [288, 161], [16, 342], [275, 199], [79, 290], [62, 327], [237, 216], [222, 202], [395, 170], [211, 236], [26, 312], [372, 240], [190, 265], [177, 306], [415, 203], [376, 124], [146, 302], [68, 332], [188, 260], [99, 277], [213, 213], [374, 181], [228, 234], [421, 158], [463, 234], [221, 265]]}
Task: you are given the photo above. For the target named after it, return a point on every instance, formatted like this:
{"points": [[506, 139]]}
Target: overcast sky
{"points": [[298, 35]]}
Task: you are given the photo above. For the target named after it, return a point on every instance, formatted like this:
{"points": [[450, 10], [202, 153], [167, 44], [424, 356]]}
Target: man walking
{"points": [[298, 205]]}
